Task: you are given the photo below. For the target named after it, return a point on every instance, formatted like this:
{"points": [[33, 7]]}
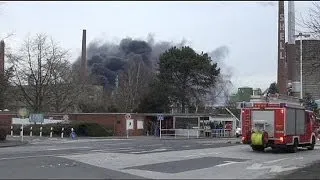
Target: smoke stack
{"points": [[84, 56], [282, 64], [291, 23], [2, 57], [292, 75]]}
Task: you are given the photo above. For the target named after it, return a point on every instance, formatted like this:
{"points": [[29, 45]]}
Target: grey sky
{"points": [[248, 29]]}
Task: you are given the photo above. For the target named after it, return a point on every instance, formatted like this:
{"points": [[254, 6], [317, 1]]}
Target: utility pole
{"points": [[301, 35]]}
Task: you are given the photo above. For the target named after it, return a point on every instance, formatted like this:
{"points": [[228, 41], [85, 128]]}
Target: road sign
{"points": [[160, 117], [129, 124], [37, 118], [23, 112], [65, 117], [128, 116]]}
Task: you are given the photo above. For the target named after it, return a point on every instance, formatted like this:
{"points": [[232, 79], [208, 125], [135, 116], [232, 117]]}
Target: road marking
{"points": [[273, 168], [126, 148], [57, 149], [202, 154], [227, 163], [97, 150], [155, 150], [277, 160], [186, 146], [153, 145]]}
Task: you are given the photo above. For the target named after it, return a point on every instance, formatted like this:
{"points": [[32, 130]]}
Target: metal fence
{"points": [[197, 133]]}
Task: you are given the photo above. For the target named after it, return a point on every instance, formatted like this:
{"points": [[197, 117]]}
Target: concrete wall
{"points": [[310, 66]]}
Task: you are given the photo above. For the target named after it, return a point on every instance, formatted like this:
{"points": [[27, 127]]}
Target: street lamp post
{"points": [[301, 36]]}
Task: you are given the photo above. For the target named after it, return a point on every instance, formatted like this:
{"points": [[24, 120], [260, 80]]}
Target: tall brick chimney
{"points": [[2, 57], [291, 49], [83, 68], [282, 64]]}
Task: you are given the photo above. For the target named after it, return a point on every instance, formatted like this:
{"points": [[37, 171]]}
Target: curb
{"points": [[12, 143]]}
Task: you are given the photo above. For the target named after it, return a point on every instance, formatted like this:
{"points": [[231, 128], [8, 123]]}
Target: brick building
{"points": [[310, 66]]}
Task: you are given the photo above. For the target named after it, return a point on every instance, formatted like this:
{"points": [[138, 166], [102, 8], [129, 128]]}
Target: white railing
{"points": [[180, 133], [192, 133]]}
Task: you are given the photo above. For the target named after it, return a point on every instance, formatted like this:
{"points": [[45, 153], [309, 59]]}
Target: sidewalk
{"points": [[12, 143], [35, 139]]}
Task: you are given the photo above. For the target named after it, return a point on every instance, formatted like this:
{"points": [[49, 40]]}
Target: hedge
{"points": [[81, 129]]}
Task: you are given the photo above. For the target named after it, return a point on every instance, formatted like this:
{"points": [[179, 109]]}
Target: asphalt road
{"points": [[145, 157]]}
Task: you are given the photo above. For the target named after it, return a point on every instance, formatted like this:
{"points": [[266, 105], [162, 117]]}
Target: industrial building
{"points": [[289, 58]]}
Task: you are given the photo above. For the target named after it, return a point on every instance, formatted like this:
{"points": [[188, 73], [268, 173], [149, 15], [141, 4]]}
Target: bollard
{"points": [[21, 133], [40, 131], [51, 132], [11, 130], [30, 131], [73, 134], [62, 132]]}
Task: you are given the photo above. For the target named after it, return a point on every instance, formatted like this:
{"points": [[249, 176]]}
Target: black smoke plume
{"points": [[107, 60]]}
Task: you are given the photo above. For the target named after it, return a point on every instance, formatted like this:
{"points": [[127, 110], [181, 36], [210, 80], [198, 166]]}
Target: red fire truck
{"points": [[278, 124]]}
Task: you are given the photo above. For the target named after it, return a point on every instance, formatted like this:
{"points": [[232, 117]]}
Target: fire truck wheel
{"points": [[294, 147], [257, 148], [311, 147]]}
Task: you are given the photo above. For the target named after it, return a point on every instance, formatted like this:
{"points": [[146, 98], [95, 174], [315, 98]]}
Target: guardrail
{"points": [[218, 133]]}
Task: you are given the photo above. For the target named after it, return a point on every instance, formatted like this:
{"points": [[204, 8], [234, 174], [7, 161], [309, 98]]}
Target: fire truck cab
{"points": [[277, 124]]}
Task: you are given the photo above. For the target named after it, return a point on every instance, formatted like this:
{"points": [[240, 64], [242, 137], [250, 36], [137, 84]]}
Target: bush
{"points": [[81, 129], [3, 133]]}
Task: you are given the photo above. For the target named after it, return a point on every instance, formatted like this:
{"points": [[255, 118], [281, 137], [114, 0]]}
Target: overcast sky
{"points": [[248, 29]]}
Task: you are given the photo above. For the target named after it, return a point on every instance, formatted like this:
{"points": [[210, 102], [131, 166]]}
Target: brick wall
{"points": [[115, 121], [6, 121], [310, 66]]}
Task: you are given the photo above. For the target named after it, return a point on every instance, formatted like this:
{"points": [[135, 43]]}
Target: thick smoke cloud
{"points": [[222, 89], [107, 60]]}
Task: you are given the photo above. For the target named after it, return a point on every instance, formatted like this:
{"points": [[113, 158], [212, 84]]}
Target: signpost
{"points": [[129, 123], [23, 113], [160, 118]]}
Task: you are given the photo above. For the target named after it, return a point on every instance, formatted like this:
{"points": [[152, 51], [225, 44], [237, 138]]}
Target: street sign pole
{"points": [[160, 118], [22, 131], [160, 128], [127, 117]]}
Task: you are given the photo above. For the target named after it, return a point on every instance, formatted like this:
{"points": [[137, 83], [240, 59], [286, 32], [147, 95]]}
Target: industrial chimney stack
{"points": [[84, 56], [282, 64], [291, 43], [2, 57]]}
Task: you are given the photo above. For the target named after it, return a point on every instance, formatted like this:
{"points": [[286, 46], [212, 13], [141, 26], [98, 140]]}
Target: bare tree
{"points": [[133, 83], [64, 90], [312, 25], [312, 21], [41, 73]]}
